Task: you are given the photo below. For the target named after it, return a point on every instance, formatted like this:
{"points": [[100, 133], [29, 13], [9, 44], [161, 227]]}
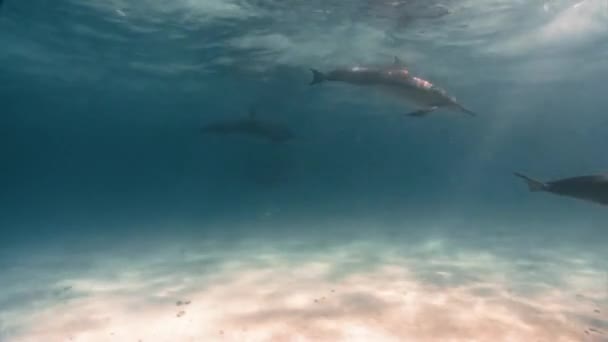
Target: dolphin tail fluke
{"points": [[317, 77], [533, 185]]}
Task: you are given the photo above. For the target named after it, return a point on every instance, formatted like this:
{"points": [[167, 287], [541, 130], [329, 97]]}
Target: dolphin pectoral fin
{"points": [[533, 184], [422, 112], [464, 110]]}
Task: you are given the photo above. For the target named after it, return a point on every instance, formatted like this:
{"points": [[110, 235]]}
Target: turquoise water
{"points": [[367, 225]]}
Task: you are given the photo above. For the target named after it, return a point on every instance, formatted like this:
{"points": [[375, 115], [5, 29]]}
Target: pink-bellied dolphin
{"points": [[252, 126], [592, 188], [399, 81]]}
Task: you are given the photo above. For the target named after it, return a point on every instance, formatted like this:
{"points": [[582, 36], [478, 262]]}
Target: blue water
{"points": [[102, 158]]}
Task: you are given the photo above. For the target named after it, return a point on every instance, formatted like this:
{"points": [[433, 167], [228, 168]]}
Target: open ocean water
{"points": [[121, 221]]}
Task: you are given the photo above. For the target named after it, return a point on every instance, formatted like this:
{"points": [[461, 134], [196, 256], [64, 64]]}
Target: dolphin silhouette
{"points": [[252, 126], [592, 188], [397, 79]]}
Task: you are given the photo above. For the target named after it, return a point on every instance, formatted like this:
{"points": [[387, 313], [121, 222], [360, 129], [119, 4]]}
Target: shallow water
{"points": [[119, 221]]}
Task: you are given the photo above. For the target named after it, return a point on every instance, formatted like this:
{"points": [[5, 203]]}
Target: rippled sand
{"points": [[264, 290]]}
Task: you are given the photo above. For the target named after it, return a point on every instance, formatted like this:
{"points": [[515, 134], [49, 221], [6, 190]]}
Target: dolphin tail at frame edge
{"points": [[533, 184], [317, 77]]}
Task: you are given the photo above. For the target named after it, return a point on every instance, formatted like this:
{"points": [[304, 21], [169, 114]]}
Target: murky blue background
{"points": [[101, 104], [101, 111]]}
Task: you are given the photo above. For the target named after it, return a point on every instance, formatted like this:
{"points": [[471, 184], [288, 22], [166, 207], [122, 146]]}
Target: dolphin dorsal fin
{"points": [[397, 62]]}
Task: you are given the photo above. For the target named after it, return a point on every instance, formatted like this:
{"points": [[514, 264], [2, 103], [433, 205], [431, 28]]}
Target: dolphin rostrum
{"points": [[251, 125], [397, 79], [592, 188]]}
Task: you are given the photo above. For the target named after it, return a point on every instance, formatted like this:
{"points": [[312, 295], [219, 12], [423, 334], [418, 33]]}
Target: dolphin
{"points": [[397, 79], [251, 125], [592, 188]]}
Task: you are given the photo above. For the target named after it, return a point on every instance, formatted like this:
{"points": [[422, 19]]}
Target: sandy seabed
{"points": [[432, 289]]}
